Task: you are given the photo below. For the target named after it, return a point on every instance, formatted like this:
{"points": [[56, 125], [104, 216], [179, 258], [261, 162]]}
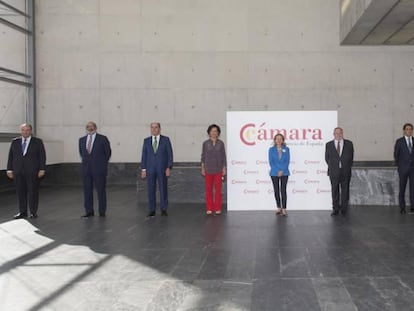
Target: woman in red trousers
{"points": [[213, 168]]}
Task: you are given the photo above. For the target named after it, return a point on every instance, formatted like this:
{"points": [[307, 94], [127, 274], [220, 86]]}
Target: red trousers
{"points": [[216, 181]]}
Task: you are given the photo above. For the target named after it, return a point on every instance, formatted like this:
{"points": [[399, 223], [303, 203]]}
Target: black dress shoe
{"points": [[151, 214], [402, 211], [334, 213], [102, 215], [164, 213], [33, 216], [411, 210], [20, 216], [88, 215]]}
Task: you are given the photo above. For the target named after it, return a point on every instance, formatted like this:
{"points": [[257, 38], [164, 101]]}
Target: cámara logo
{"points": [[259, 181], [237, 162], [250, 133], [310, 181], [236, 181], [310, 162], [250, 191], [249, 172], [323, 190]]}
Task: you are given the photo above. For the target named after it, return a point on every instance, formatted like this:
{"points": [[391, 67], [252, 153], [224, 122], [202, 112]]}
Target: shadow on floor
{"points": [[188, 261]]}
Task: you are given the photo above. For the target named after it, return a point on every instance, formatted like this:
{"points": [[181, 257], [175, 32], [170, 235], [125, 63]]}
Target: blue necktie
{"points": [[24, 146]]}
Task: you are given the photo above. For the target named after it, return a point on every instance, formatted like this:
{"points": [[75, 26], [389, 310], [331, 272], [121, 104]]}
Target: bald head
{"points": [[91, 127], [26, 130]]}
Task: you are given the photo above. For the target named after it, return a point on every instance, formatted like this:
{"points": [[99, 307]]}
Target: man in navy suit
{"points": [[95, 151], [26, 165], [339, 155], [156, 165], [404, 158]]}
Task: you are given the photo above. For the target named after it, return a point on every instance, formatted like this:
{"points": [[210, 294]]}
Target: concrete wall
{"points": [[13, 98], [185, 63]]}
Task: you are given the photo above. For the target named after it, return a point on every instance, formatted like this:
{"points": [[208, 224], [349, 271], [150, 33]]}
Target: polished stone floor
{"points": [[188, 261]]}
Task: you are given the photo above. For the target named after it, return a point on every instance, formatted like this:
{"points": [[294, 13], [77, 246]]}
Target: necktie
{"points": [[155, 144], [410, 144], [24, 145], [89, 144], [338, 147]]}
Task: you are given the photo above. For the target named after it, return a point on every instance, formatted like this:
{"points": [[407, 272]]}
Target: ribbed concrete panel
{"points": [[392, 23], [350, 12], [404, 36], [380, 22]]}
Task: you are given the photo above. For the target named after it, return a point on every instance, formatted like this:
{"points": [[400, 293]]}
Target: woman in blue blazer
{"points": [[279, 158]]}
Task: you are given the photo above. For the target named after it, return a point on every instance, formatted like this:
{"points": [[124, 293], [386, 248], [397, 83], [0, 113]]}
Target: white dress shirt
{"points": [[158, 140], [27, 144], [341, 146], [407, 140], [93, 136]]}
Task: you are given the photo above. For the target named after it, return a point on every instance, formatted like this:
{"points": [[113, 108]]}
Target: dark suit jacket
{"points": [[96, 162], [159, 161], [402, 156], [32, 162], [332, 158]]}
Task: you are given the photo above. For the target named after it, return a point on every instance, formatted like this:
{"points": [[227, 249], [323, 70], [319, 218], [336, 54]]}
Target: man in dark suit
{"points": [[156, 165], [95, 151], [404, 158], [339, 155], [26, 165]]}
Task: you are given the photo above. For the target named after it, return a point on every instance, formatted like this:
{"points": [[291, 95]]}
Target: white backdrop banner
{"points": [[249, 137]]}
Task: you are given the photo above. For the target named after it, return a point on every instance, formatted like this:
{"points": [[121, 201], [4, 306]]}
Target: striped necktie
{"points": [[155, 144], [89, 145]]}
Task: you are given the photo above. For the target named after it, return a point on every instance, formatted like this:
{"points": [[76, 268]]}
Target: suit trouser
{"points": [[404, 177], [162, 179], [27, 188], [279, 187], [213, 181], [340, 191], [89, 180]]}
